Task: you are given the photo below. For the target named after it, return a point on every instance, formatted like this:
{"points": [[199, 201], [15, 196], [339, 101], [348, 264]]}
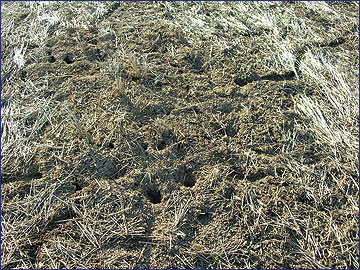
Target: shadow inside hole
{"points": [[228, 193], [236, 172], [189, 181], [256, 176], [185, 176], [161, 145], [188, 178], [61, 216], [204, 218], [144, 146], [37, 175], [32, 251], [77, 186], [279, 171], [241, 81], [154, 196], [111, 145], [68, 58], [52, 59]]}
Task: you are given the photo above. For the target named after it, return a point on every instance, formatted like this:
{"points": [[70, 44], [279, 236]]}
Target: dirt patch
{"points": [[171, 153]]}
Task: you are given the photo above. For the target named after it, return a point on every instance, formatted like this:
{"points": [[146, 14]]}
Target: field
{"points": [[180, 134]]}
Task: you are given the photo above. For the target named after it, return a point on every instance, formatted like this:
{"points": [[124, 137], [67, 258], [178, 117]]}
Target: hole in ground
{"points": [[188, 178], [37, 175], [154, 196], [279, 171], [228, 193], [144, 146], [52, 59], [204, 218], [32, 251], [236, 173], [161, 145], [111, 145], [68, 58], [256, 176], [62, 216], [190, 182], [241, 81], [77, 186], [185, 176]]}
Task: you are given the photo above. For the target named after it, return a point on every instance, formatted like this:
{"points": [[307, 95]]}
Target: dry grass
{"points": [[179, 135]]}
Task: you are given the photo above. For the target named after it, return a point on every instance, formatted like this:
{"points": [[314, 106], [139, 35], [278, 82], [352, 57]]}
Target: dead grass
{"points": [[179, 135]]}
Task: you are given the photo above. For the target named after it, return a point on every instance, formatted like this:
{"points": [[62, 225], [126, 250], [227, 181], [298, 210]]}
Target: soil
{"points": [[188, 154]]}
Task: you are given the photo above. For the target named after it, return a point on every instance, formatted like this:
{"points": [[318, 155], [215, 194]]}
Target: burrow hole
{"points": [[77, 186], [256, 176], [241, 81], [188, 178], [144, 146], [37, 175], [204, 218], [161, 145], [62, 216], [68, 58], [154, 196], [51, 58], [228, 193]]}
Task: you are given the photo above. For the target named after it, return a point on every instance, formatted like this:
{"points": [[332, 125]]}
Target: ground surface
{"points": [[179, 135]]}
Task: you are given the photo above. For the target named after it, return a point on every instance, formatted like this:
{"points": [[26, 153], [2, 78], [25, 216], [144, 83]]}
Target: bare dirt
{"points": [[179, 160]]}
